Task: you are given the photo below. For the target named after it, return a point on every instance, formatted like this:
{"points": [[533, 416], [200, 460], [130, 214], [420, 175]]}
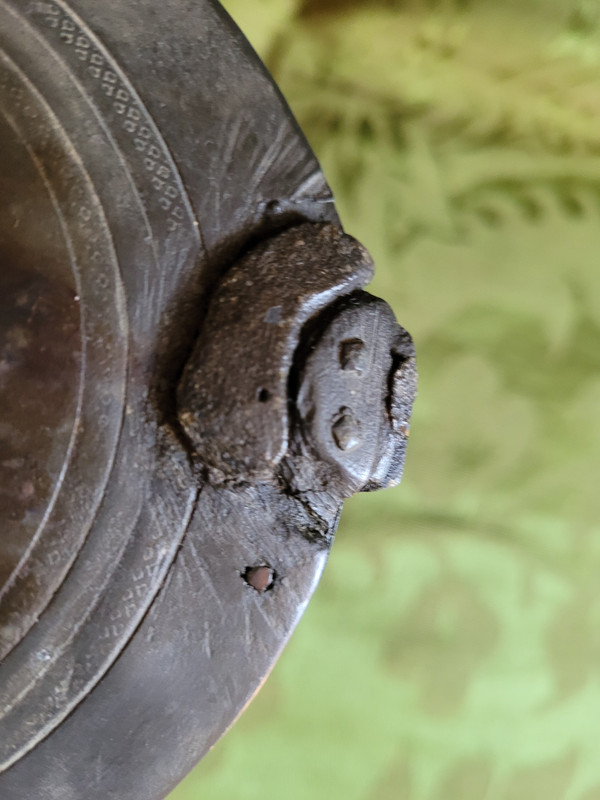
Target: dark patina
{"points": [[192, 379]]}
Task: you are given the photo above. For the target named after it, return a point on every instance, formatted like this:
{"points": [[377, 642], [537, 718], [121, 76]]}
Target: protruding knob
{"points": [[356, 393], [298, 370]]}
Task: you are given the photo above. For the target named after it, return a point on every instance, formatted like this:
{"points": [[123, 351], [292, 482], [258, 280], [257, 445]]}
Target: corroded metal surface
{"points": [[191, 381]]}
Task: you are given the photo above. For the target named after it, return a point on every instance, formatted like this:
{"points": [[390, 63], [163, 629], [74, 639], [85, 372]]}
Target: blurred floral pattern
{"points": [[452, 651]]}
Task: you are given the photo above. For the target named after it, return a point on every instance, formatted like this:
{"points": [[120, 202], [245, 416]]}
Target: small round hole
{"points": [[263, 395], [260, 578]]}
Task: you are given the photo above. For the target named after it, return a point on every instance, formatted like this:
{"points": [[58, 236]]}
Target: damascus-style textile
{"points": [[453, 649]]}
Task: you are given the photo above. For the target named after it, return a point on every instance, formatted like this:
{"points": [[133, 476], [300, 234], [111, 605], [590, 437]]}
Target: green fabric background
{"points": [[452, 650]]}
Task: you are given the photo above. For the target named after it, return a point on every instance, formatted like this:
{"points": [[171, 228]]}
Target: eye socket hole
{"points": [[349, 355], [263, 395]]}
